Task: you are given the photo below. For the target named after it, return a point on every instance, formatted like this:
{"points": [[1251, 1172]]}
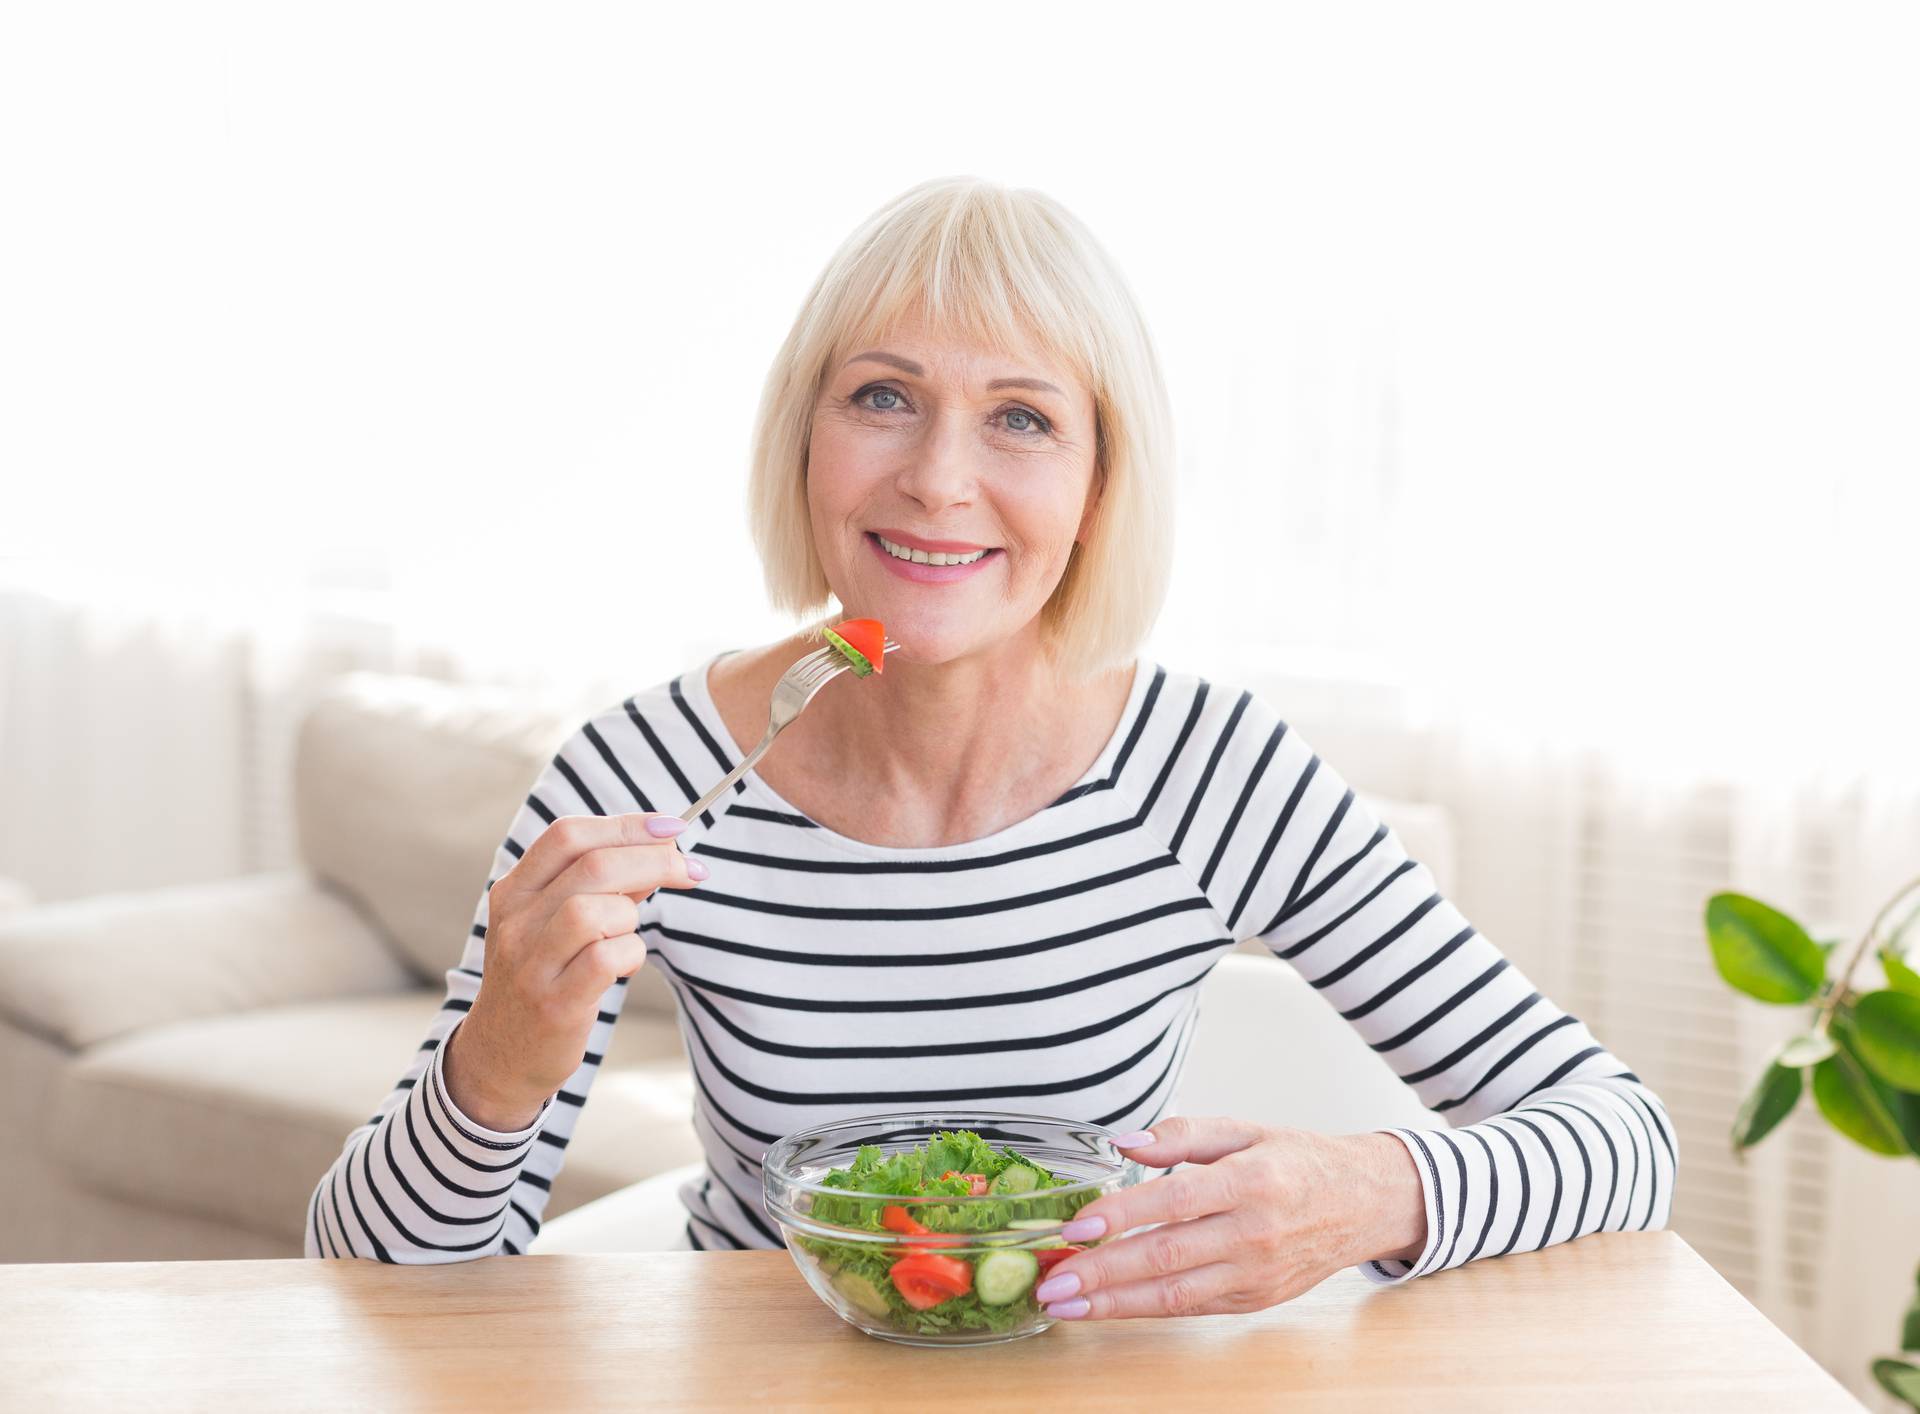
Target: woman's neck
{"points": [[926, 754]]}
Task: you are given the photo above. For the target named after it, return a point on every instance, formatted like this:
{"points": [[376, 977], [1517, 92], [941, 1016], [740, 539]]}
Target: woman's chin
{"points": [[928, 641]]}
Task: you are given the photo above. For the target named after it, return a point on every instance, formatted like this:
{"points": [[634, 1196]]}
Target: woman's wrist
{"points": [[467, 1089], [1390, 1215]]}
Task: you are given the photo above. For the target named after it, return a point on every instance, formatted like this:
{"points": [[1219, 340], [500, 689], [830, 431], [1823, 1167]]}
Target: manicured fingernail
{"points": [[1133, 1140], [696, 870], [1056, 1288], [665, 827], [1067, 1310], [1081, 1229]]}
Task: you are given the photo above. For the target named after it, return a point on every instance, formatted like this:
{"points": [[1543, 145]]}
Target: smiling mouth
{"points": [[925, 557]]}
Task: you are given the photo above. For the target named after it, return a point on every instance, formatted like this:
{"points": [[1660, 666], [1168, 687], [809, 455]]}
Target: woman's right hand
{"points": [[560, 929]]}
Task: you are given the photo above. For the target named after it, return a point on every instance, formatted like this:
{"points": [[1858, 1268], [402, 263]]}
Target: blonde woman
{"points": [[997, 876]]}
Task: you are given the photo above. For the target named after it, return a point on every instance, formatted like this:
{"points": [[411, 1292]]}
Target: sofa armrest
{"points": [[85, 970]]}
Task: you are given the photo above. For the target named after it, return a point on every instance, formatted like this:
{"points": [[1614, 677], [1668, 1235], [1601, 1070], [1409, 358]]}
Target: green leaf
{"points": [[1846, 1096], [1771, 1101], [1886, 1036], [1761, 951], [1808, 1048], [1900, 975], [1899, 1379], [1901, 1109], [1910, 1324], [1905, 1108]]}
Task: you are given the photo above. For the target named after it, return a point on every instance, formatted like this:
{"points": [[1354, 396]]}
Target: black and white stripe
{"points": [[1052, 967]]}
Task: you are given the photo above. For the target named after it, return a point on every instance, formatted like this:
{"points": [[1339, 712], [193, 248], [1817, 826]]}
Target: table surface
{"points": [[1612, 1321]]}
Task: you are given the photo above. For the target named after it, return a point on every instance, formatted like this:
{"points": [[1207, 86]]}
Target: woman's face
{"points": [[924, 450]]}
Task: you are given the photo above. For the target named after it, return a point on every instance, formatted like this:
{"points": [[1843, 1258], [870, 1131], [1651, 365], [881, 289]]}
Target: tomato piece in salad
{"points": [[1048, 1256], [896, 1218], [976, 1182], [925, 1279]]}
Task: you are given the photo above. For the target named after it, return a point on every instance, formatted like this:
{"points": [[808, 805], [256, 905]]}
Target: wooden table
{"points": [[1610, 1322]]}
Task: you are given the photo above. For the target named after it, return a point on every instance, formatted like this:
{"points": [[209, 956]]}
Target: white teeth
{"points": [[923, 557]]}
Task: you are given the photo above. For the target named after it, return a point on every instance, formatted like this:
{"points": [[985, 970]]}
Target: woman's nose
{"points": [[942, 470]]}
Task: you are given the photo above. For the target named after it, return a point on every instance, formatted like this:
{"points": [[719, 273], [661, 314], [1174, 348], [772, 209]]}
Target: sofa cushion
{"points": [[1269, 1048], [237, 1118], [82, 971], [403, 789]]}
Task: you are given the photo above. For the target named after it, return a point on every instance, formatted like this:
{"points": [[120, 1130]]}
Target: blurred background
{"points": [[1544, 379]]}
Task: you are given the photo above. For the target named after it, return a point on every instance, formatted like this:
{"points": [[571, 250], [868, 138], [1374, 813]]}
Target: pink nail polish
{"points": [[1133, 1140], [665, 827], [1083, 1229], [696, 870], [1057, 1288], [1069, 1310]]}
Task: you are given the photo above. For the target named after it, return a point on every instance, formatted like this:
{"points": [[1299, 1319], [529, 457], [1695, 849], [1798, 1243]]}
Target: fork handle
{"points": [[692, 812]]}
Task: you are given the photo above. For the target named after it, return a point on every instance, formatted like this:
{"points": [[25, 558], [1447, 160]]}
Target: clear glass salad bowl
{"points": [[955, 1265]]}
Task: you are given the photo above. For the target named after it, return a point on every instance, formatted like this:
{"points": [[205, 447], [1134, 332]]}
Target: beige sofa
{"points": [[182, 1065]]}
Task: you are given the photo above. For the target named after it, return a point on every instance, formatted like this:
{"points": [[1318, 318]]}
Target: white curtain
{"points": [[1543, 380]]}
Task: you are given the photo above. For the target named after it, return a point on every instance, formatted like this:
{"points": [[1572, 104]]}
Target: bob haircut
{"points": [[987, 265]]}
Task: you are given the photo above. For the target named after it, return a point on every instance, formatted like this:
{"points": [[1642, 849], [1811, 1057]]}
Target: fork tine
{"points": [[817, 668]]}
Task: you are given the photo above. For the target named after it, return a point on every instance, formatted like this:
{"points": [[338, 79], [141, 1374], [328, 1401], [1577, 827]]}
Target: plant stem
{"points": [[1853, 958]]}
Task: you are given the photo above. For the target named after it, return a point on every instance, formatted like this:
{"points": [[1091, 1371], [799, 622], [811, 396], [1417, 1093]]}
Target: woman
{"points": [[997, 874]]}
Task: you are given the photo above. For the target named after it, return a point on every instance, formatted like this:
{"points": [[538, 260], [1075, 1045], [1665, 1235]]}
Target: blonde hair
{"points": [[976, 260]]}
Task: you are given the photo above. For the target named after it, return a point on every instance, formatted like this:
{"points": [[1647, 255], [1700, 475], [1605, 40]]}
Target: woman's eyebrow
{"points": [[907, 365], [1036, 384]]}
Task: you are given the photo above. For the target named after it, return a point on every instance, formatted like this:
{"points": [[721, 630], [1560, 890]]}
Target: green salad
{"points": [[958, 1266]]}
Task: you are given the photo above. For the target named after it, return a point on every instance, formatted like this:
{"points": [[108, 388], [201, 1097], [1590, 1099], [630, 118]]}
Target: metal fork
{"points": [[797, 687]]}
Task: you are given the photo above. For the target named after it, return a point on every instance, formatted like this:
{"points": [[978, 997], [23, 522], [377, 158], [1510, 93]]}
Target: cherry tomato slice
{"points": [[1047, 1256], [925, 1279], [895, 1218], [868, 638]]}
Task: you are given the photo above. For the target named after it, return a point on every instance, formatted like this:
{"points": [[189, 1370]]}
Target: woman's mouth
{"points": [[924, 566]]}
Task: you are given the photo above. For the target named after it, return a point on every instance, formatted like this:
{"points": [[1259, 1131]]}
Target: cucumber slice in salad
{"points": [[1005, 1276], [861, 1292], [1048, 1225], [1015, 1178]]}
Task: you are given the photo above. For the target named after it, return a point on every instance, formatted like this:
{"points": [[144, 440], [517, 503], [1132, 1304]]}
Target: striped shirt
{"points": [[1051, 967]]}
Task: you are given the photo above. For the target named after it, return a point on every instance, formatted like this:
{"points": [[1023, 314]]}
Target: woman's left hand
{"points": [[1265, 1215]]}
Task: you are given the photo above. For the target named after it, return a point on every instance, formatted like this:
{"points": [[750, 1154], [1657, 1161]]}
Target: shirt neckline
{"points": [[694, 688]]}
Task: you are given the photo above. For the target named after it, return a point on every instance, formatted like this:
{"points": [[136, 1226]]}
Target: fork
{"points": [[797, 687]]}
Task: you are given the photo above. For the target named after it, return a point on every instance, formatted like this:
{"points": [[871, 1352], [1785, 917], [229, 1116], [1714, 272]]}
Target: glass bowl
{"points": [[850, 1260]]}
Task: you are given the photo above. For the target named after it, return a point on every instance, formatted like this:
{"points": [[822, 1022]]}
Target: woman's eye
{"points": [[1022, 420]]}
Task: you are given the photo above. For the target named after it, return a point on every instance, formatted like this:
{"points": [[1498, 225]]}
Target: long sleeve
{"points": [[420, 1182], [1553, 1136]]}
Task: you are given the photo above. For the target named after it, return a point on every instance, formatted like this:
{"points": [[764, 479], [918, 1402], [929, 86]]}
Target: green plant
{"points": [[1863, 1048]]}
